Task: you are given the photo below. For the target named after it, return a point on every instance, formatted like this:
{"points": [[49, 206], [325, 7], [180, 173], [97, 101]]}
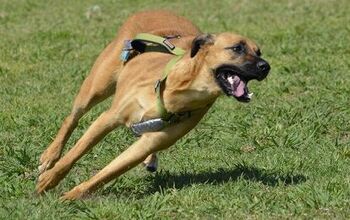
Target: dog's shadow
{"points": [[254, 174], [165, 180]]}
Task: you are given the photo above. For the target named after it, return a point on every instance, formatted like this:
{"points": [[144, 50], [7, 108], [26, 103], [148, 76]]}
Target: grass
{"points": [[285, 155]]}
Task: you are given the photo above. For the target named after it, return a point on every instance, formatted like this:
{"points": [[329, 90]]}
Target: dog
{"points": [[213, 64]]}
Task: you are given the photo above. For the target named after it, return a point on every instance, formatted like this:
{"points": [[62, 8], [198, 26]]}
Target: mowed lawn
{"points": [[284, 155]]}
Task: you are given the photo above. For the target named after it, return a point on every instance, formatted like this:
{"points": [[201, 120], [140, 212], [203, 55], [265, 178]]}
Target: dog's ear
{"points": [[200, 41]]}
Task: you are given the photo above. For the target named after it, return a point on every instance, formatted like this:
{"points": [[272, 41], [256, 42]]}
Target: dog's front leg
{"points": [[132, 156], [148, 143], [102, 126]]}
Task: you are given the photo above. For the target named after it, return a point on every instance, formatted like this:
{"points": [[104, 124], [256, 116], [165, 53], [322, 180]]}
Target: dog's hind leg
{"points": [[99, 85]]}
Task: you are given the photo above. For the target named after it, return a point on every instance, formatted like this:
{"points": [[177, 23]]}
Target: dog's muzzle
{"points": [[233, 80]]}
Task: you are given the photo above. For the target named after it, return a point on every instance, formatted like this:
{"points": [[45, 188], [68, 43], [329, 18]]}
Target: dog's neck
{"points": [[190, 85]]}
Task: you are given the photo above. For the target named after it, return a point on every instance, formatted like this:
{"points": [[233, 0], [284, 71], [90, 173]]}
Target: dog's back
{"points": [[162, 23]]}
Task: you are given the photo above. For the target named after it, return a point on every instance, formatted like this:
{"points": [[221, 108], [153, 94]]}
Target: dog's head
{"points": [[232, 60]]}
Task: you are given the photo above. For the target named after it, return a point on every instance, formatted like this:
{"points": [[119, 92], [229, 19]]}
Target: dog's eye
{"points": [[239, 48]]}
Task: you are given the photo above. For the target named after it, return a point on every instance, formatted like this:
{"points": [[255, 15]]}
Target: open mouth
{"points": [[233, 84]]}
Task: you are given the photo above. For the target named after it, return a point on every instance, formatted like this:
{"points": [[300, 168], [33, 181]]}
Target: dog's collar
{"points": [[145, 42]]}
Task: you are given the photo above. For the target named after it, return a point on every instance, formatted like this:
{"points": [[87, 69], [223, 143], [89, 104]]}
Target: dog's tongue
{"points": [[238, 86]]}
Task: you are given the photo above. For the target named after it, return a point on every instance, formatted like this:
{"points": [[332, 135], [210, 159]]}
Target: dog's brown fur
{"points": [[190, 86]]}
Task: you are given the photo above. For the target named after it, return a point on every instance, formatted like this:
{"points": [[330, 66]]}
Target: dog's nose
{"points": [[263, 67]]}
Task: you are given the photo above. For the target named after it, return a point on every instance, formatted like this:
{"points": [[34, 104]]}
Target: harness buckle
{"points": [[168, 44], [126, 51], [157, 85]]}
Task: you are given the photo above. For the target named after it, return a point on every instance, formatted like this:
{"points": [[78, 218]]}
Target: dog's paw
{"points": [[151, 167], [49, 179], [151, 163], [48, 159], [74, 194], [46, 181]]}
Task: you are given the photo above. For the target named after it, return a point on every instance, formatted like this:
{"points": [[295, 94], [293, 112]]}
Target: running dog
{"points": [[212, 64]]}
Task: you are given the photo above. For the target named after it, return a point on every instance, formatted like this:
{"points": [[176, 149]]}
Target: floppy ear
{"points": [[199, 41]]}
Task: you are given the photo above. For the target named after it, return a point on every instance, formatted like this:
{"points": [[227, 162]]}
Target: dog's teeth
{"points": [[230, 79], [250, 95]]}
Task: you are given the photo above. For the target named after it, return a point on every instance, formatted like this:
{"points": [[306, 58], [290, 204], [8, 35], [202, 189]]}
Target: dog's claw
{"points": [[43, 167]]}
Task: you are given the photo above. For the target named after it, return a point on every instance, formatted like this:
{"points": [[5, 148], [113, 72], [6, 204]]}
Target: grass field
{"points": [[285, 155]]}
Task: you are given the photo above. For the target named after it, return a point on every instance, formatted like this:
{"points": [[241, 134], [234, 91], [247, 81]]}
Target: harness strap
{"points": [[145, 42], [160, 84], [139, 44]]}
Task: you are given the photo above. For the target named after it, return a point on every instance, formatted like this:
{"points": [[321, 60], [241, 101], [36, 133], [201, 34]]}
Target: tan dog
{"points": [[212, 65]]}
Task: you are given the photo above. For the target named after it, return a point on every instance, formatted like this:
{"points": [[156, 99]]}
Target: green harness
{"points": [[145, 42]]}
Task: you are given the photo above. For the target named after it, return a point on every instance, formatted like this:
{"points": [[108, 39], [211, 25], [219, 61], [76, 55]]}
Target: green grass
{"points": [[284, 155]]}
